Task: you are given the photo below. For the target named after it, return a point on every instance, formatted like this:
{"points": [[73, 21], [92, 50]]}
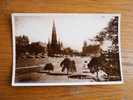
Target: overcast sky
{"points": [[72, 29]]}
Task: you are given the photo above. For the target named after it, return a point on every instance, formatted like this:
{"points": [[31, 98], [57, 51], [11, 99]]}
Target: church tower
{"points": [[53, 46], [54, 35]]}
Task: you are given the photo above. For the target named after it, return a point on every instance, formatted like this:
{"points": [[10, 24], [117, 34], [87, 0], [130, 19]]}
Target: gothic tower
{"points": [[53, 46], [54, 36]]}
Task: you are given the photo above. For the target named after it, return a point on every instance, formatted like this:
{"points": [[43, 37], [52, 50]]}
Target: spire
{"points": [[54, 36], [85, 44], [48, 45], [48, 41]]}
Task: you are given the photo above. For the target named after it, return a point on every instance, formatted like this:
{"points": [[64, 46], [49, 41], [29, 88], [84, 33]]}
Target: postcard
{"points": [[52, 49]]}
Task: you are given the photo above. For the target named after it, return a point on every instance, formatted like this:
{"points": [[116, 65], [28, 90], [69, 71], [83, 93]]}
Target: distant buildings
{"points": [[88, 50], [54, 46]]}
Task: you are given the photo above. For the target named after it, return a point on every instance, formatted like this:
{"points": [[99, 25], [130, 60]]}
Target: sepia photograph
{"points": [[52, 49]]}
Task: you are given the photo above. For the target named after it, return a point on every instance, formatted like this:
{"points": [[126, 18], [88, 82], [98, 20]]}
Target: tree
{"points": [[49, 67], [22, 43], [68, 65], [95, 64], [36, 47], [110, 33], [111, 56], [101, 36], [72, 67]]}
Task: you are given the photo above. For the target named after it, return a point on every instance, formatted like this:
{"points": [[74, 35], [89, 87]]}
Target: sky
{"points": [[72, 29]]}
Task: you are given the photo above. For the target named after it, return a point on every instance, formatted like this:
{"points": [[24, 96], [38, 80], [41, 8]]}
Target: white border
{"points": [[62, 84]]}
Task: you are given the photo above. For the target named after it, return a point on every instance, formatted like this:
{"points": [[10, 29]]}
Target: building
{"points": [[88, 50], [54, 46]]}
